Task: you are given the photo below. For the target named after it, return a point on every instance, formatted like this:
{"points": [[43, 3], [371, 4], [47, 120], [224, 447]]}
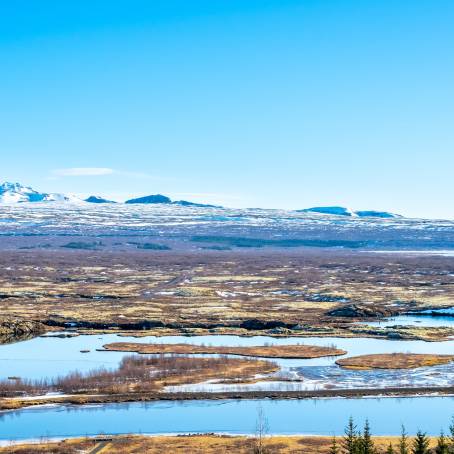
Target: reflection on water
{"points": [[446, 310], [52, 357], [311, 416], [415, 320], [13, 338]]}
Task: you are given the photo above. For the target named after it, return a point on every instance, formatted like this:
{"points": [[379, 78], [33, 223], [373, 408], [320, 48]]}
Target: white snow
{"points": [[11, 193]]}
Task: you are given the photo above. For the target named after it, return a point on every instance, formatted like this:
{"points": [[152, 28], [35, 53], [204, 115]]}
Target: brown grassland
{"points": [[280, 293], [197, 444]]}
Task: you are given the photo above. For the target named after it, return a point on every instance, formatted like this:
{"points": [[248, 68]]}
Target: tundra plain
{"points": [[276, 292]]}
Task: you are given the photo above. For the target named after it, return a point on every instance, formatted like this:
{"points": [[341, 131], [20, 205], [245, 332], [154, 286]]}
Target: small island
{"points": [[393, 361], [266, 351]]}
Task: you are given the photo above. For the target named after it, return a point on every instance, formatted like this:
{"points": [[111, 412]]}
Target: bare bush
{"points": [[134, 374]]}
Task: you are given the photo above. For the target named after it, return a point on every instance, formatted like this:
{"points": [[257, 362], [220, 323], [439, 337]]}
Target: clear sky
{"points": [[271, 103]]}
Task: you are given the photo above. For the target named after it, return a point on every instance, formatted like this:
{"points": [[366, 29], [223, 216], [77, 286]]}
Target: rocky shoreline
{"points": [[14, 329]]}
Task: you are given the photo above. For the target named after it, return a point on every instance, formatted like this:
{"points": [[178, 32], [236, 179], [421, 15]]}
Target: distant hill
{"points": [[336, 210], [343, 211], [96, 199], [185, 203], [376, 214], [157, 198], [12, 193]]}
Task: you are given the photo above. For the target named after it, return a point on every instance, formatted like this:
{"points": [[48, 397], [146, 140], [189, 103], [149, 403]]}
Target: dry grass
{"points": [[232, 370], [281, 351], [200, 444], [394, 361]]}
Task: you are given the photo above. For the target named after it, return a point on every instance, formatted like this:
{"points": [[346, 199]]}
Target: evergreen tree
{"points": [[390, 449], [350, 442], [442, 444], [403, 442], [334, 448], [421, 443], [451, 437], [366, 444]]}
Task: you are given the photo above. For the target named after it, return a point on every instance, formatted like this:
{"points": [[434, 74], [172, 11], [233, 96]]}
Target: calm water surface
{"points": [[323, 417], [415, 320], [51, 356]]}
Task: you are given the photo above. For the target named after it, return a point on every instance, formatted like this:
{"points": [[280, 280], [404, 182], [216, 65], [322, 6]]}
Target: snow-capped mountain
{"points": [[16, 193], [12, 193]]}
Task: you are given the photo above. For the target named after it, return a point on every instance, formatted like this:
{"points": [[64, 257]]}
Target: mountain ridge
{"points": [[17, 193], [12, 193]]}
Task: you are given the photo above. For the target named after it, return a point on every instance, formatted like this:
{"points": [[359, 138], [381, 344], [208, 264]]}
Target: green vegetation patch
{"points": [[286, 243], [154, 246], [83, 245]]}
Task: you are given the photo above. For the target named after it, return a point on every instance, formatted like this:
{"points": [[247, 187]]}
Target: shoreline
{"points": [[169, 435], [333, 331], [13, 404]]}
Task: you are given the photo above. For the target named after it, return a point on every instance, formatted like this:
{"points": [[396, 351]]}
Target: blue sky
{"points": [[271, 103]]}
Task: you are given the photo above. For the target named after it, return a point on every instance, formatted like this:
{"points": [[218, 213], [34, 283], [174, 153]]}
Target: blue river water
{"points": [[47, 357], [311, 416], [50, 357], [415, 320]]}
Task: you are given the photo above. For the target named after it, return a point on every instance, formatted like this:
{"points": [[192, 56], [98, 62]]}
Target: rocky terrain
{"points": [[16, 328], [318, 292]]}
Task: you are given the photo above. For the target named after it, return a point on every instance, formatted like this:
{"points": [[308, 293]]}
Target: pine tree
{"points": [[390, 449], [334, 448], [442, 444], [350, 442], [403, 442], [451, 437], [367, 445], [421, 444]]}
